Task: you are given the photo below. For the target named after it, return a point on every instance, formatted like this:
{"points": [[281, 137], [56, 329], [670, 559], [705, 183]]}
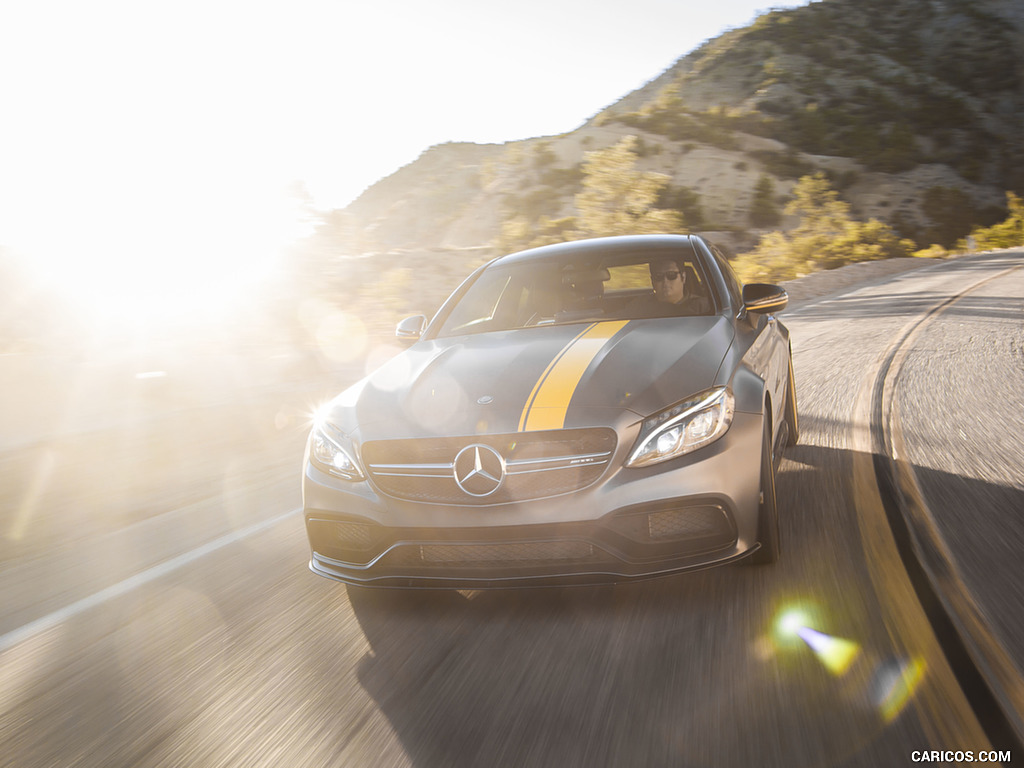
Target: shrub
{"points": [[784, 165], [563, 178], [825, 238], [1006, 234], [684, 200], [932, 252], [543, 156]]}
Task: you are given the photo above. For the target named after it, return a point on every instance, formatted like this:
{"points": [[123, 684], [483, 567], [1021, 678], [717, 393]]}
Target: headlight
{"points": [[685, 427], [331, 457]]}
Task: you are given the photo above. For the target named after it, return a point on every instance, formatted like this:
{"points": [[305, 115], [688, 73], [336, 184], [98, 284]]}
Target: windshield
{"points": [[663, 283]]}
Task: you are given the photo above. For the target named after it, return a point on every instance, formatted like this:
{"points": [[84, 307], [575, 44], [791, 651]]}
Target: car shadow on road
{"points": [[682, 670]]}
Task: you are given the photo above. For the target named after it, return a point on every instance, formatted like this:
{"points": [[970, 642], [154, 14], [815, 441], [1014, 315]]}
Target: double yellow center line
{"points": [[548, 402]]}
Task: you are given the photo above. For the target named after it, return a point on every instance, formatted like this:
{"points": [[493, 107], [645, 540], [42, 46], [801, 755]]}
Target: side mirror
{"points": [[764, 298], [411, 328]]}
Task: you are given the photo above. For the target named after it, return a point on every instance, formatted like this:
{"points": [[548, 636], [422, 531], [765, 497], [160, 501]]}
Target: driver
{"points": [[670, 298]]}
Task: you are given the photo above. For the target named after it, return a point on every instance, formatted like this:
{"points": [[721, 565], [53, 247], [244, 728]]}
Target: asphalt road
{"points": [[241, 657]]}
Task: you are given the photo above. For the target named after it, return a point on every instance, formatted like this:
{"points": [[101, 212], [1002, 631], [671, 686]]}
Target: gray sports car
{"points": [[591, 411]]}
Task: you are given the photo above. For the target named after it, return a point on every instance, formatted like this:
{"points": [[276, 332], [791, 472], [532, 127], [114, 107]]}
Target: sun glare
{"points": [[176, 259], [142, 186]]}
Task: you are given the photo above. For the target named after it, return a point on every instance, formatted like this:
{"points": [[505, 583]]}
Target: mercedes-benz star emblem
{"points": [[479, 470]]}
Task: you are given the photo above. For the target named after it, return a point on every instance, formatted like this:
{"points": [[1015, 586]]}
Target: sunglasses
{"points": [[657, 277]]}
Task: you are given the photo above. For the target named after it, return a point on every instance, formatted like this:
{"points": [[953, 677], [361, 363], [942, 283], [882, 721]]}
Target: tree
{"points": [[763, 210], [616, 199], [826, 237]]}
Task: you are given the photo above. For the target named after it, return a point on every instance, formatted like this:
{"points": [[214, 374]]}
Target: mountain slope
{"points": [[913, 107]]}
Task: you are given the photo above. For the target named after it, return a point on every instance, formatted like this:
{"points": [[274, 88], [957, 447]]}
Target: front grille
{"points": [[536, 465]]}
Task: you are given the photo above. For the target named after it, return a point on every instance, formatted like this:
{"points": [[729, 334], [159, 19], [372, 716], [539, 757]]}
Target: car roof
{"points": [[598, 245]]}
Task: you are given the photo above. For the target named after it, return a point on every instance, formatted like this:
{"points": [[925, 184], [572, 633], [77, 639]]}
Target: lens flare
{"points": [[895, 684], [836, 653], [388, 371], [788, 623], [887, 685], [791, 622]]}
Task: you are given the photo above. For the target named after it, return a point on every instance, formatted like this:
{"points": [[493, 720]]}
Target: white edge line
{"points": [[51, 620]]}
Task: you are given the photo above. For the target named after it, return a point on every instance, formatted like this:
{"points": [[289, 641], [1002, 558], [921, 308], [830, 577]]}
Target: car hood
{"points": [[547, 377]]}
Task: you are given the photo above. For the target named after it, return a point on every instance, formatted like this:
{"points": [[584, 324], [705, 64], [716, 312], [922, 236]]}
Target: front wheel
{"points": [[768, 512]]}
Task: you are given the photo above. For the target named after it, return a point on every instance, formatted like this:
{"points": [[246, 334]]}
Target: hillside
{"points": [[913, 108]]}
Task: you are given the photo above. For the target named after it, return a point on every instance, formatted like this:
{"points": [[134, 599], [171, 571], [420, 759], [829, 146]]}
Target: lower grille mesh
{"points": [[520, 553], [687, 522]]}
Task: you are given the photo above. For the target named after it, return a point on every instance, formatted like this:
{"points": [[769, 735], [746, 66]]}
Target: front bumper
{"points": [[694, 512]]}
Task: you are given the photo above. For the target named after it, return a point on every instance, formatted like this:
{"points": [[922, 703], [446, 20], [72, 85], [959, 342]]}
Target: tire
{"points": [[792, 420], [768, 511]]}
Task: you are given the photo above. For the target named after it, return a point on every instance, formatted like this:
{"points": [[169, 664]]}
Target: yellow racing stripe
{"points": [[549, 401]]}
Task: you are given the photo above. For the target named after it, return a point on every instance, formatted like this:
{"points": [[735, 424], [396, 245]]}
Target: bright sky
{"points": [[163, 142]]}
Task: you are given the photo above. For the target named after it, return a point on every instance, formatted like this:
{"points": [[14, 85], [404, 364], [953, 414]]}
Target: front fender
{"points": [[748, 388]]}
